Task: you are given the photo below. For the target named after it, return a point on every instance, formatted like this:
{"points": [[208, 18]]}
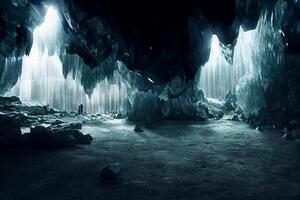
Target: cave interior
{"points": [[152, 99]]}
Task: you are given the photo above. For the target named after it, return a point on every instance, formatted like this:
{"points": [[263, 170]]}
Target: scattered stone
{"points": [[111, 173], [52, 111], [138, 128], [35, 110], [57, 122], [235, 117], [219, 115]]}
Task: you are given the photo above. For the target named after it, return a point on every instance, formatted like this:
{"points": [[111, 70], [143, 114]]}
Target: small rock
{"points": [[235, 117], [138, 128], [75, 125], [219, 115], [81, 138], [111, 173], [57, 122]]}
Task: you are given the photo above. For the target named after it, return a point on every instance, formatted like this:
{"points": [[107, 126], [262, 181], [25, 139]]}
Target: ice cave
{"points": [[111, 99]]}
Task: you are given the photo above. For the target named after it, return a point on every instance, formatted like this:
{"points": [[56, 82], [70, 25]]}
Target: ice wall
{"points": [[42, 80], [218, 76], [256, 72]]}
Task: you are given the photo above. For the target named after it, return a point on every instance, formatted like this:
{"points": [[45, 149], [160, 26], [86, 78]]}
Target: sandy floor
{"points": [[177, 160]]}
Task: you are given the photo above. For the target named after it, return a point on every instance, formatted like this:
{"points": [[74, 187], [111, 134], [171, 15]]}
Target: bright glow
{"points": [[217, 75], [42, 80]]}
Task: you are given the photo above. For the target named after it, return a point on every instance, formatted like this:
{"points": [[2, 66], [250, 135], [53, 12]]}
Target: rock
{"points": [[111, 173], [21, 119], [118, 115], [76, 126], [243, 117], [238, 110], [81, 138], [64, 140], [9, 100], [73, 114], [138, 128], [52, 111], [35, 110], [42, 137], [229, 106], [57, 122], [219, 115], [235, 117]]}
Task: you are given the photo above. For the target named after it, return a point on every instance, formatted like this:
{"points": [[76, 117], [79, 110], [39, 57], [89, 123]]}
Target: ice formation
{"points": [[218, 76], [42, 80]]}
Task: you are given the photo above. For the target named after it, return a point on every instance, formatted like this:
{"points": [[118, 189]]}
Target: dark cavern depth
{"points": [[149, 99]]}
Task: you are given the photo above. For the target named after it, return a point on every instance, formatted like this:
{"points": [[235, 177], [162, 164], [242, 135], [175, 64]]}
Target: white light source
{"points": [[42, 80]]}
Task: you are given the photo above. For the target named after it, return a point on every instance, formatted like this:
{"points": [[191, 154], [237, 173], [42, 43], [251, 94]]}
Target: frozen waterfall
{"points": [[217, 75], [42, 80]]}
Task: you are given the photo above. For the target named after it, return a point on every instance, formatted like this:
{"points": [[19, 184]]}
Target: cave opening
{"points": [[42, 80]]}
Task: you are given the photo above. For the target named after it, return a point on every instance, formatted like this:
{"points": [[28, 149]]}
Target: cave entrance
{"points": [[218, 76], [42, 80]]}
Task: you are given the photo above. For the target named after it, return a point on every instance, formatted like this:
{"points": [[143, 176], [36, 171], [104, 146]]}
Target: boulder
{"points": [[111, 173], [42, 137], [81, 138]]}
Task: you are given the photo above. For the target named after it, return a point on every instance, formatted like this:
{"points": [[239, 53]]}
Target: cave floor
{"points": [[177, 160]]}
